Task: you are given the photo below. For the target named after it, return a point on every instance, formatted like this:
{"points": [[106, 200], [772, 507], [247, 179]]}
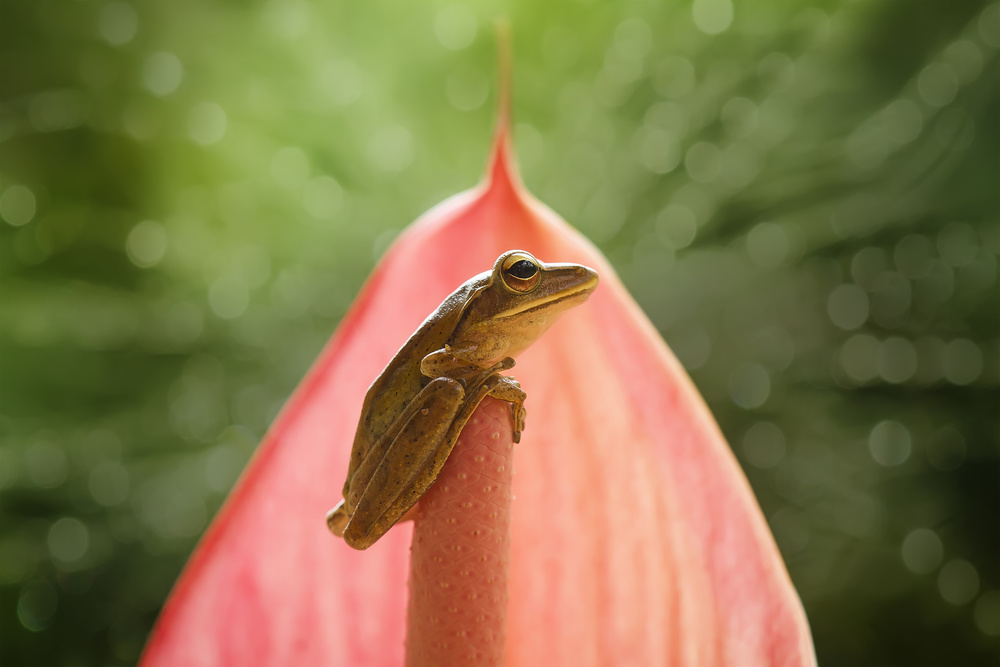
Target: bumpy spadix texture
{"points": [[636, 539], [460, 560]]}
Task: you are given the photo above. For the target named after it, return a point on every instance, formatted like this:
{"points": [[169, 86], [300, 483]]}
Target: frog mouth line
{"points": [[584, 290]]}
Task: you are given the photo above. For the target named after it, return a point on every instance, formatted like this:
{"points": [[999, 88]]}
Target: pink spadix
{"points": [[460, 558]]}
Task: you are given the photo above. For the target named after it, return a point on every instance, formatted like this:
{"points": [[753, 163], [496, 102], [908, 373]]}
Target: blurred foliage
{"points": [[802, 196]]}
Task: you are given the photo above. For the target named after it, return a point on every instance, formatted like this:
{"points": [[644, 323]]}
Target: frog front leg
{"points": [[443, 363], [498, 386], [509, 389]]}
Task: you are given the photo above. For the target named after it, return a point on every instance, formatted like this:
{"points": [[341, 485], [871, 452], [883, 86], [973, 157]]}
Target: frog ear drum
{"points": [[520, 272]]}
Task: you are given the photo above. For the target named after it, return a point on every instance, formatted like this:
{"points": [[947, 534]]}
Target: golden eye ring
{"points": [[520, 272]]}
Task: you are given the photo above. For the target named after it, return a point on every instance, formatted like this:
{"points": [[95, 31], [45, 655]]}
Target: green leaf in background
{"points": [[803, 197]]}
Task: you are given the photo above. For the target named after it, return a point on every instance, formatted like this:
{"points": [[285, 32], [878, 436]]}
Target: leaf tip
{"points": [[503, 168]]}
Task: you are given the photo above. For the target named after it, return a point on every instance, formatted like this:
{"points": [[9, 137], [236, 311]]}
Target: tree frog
{"points": [[415, 410]]}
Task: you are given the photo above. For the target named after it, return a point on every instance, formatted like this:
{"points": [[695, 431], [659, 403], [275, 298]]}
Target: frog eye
{"points": [[520, 272]]}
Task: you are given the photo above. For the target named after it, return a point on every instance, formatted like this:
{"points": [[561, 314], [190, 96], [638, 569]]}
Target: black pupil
{"points": [[523, 269]]}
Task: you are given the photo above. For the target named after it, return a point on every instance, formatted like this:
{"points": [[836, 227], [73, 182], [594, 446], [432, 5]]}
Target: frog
{"points": [[414, 412]]}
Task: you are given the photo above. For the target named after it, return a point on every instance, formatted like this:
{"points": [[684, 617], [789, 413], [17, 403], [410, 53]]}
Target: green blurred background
{"points": [[802, 196]]}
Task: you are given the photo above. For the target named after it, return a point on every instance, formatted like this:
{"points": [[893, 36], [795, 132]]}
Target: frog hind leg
{"points": [[390, 496], [496, 385], [396, 461], [337, 518], [445, 391]]}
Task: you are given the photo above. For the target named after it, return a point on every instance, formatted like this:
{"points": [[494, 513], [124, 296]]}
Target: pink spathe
{"points": [[635, 538]]}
